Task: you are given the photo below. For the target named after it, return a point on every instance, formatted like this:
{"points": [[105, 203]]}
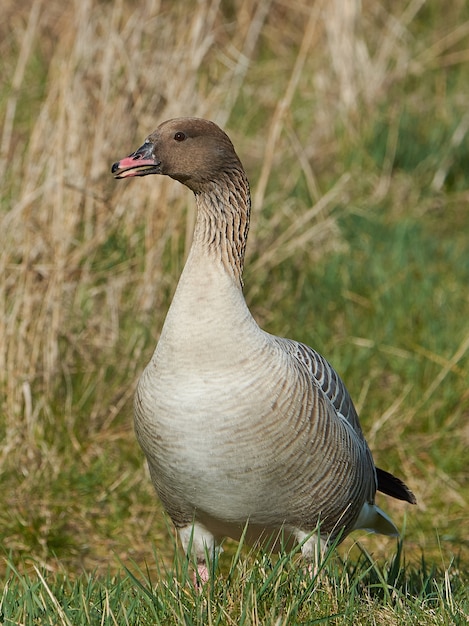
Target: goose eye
{"points": [[179, 136]]}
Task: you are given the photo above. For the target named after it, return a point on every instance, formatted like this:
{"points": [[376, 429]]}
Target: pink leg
{"points": [[198, 541], [201, 576], [312, 569]]}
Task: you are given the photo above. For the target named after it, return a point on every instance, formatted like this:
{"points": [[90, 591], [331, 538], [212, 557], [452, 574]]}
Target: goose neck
{"points": [[222, 225]]}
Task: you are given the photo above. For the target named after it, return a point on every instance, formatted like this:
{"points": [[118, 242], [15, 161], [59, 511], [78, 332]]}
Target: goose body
{"points": [[242, 429]]}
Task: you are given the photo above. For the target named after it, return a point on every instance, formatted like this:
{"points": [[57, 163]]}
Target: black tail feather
{"points": [[394, 487]]}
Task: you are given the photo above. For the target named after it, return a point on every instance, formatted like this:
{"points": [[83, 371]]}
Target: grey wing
{"points": [[324, 375], [328, 380]]}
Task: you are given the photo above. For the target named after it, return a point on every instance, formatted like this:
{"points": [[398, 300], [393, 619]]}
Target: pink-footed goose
{"points": [[242, 429]]}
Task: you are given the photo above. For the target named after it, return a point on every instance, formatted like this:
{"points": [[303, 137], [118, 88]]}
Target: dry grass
{"points": [[87, 265]]}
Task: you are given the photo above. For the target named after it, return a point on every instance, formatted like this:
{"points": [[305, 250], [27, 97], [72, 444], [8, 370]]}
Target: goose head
{"points": [[191, 150]]}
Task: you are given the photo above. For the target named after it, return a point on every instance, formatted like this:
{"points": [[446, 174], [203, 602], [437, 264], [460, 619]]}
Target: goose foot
{"points": [[201, 576]]}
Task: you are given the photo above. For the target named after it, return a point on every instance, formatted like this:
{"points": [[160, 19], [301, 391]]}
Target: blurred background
{"points": [[352, 121]]}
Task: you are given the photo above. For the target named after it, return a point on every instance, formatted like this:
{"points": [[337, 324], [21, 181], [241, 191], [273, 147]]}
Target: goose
{"points": [[246, 434]]}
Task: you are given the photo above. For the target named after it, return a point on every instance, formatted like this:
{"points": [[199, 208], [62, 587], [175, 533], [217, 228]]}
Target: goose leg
{"points": [[199, 542], [201, 577], [313, 547]]}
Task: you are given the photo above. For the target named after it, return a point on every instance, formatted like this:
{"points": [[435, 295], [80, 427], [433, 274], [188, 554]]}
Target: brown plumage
{"points": [[239, 426]]}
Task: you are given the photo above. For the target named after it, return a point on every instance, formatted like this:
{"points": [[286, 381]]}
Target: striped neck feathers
{"points": [[223, 213]]}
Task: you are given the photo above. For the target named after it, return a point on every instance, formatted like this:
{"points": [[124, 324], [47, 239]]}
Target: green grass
{"points": [[259, 590], [358, 247]]}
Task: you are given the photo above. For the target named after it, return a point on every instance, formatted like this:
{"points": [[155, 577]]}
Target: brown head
{"points": [[191, 150]]}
